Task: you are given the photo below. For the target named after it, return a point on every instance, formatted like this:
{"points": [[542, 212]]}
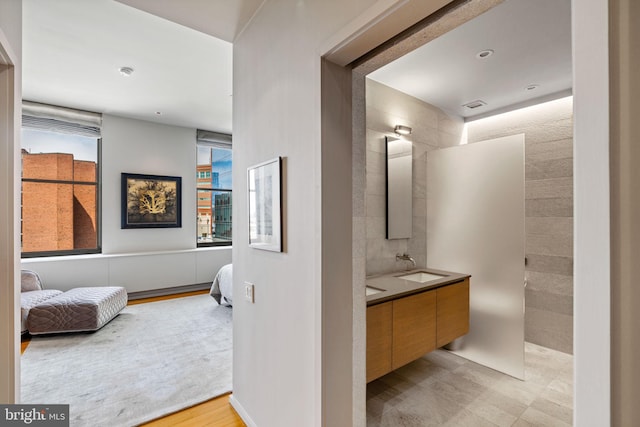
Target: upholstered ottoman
{"points": [[80, 309], [30, 299]]}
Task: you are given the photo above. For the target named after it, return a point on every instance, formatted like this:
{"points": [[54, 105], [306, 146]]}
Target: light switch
{"points": [[248, 292]]}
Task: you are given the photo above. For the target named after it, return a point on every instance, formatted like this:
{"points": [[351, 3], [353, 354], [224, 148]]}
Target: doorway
{"points": [[363, 67]]}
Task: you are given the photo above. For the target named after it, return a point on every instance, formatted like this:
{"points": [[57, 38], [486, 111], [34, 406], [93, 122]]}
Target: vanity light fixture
{"points": [[402, 130]]}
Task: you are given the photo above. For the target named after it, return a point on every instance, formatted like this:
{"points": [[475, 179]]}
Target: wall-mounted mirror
{"points": [[399, 186]]}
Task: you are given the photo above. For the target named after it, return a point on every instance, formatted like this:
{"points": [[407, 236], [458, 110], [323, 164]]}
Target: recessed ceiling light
{"points": [[484, 53], [126, 71], [532, 87]]}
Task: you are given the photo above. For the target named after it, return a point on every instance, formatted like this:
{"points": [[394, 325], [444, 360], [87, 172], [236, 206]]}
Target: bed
{"points": [[222, 286]]}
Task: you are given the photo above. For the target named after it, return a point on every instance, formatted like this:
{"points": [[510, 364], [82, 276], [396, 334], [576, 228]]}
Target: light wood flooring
{"points": [[216, 412], [442, 389]]}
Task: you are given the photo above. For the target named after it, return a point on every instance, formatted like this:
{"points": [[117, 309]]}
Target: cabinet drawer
{"points": [[414, 327], [379, 340], [453, 312]]}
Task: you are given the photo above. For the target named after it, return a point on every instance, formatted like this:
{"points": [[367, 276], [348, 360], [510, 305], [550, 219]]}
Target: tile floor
{"points": [[442, 389]]}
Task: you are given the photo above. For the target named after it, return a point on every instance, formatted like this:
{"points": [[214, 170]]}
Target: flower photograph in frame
{"points": [[151, 201], [265, 205]]}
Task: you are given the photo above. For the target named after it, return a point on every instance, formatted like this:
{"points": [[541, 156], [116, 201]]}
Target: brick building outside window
{"points": [[59, 203]]}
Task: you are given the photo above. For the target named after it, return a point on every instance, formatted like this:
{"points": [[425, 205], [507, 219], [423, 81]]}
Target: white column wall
{"points": [[136, 146], [278, 364], [592, 272]]}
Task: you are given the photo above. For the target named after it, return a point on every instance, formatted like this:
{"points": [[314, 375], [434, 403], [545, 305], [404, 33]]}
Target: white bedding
{"points": [[222, 286]]}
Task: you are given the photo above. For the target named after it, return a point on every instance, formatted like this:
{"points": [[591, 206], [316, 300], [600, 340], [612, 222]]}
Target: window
{"points": [[214, 197], [60, 181]]}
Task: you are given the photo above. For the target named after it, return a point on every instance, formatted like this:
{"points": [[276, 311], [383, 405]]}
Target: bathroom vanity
{"points": [[412, 313]]}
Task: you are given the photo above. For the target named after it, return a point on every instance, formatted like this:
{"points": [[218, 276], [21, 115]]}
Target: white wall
{"points": [[277, 378], [592, 273], [10, 95], [140, 259], [136, 146]]}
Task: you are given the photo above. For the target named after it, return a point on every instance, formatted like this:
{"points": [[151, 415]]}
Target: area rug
{"points": [[151, 360]]}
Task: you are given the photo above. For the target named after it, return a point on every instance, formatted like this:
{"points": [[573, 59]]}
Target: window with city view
{"points": [[213, 178], [59, 204]]}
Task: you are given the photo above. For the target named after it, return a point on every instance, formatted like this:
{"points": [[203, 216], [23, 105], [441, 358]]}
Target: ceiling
{"points": [[223, 19], [73, 49], [531, 41]]}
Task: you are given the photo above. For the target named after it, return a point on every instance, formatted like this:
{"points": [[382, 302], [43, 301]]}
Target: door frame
{"points": [[10, 120], [592, 248]]}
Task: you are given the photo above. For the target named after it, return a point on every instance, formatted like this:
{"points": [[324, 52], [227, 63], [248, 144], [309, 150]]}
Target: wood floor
{"points": [[216, 412]]}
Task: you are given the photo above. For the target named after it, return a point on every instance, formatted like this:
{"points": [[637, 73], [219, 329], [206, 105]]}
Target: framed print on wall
{"points": [[265, 205], [151, 201]]}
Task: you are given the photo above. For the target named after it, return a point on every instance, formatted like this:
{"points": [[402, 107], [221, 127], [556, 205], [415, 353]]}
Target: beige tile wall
{"points": [[432, 129], [548, 130]]}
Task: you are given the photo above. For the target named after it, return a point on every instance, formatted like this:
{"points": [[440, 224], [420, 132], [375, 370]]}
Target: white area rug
{"points": [[152, 359]]}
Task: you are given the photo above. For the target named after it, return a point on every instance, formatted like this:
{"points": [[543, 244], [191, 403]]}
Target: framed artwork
{"points": [[151, 201], [265, 205]]}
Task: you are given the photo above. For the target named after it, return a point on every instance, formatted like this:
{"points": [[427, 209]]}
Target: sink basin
{"points": [[371, 291], [421, 277]]}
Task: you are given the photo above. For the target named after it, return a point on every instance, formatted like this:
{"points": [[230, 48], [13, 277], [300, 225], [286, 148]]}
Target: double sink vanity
{"points": [[411, 313]]}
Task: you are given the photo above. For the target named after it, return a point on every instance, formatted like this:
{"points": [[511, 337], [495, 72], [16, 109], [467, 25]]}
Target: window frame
{"points": [[211, 190], [97, 184]]}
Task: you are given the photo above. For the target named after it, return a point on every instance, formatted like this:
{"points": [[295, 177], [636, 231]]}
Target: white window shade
{"points": [[214, 139], [60, 119]]}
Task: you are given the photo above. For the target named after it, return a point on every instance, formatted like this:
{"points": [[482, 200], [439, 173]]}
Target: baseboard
{"points": [[168, 291], [241, 411]]}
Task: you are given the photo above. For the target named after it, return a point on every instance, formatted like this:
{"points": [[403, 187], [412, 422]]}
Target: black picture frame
{"points": [[151, 201]]}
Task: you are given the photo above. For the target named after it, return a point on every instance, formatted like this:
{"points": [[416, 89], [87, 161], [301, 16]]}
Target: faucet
{"points": [[406, 257]]}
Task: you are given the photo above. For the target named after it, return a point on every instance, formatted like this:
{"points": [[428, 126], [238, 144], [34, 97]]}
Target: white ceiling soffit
{"points": [[531, 43], [223, 19], [381, 22], [73, 50]]}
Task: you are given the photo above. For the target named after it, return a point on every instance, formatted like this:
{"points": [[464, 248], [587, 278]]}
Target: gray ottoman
{"points": [[30, 299], [80, 309]]}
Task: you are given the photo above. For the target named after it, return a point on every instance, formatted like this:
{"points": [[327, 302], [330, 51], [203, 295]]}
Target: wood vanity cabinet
{"points": [[407, 328]]}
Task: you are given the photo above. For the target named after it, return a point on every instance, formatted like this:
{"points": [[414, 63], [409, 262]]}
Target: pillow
{"points": [[30, 281]]}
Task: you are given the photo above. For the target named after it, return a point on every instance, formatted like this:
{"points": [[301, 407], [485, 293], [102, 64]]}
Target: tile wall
{"points": [[432, 129], [548, 130]]}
